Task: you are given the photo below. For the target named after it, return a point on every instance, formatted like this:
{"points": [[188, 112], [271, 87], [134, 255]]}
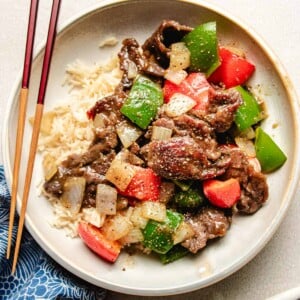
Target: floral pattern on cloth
{"points": [[37, 276]]}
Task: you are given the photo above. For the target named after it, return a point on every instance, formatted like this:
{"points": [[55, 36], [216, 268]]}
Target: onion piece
{"points": [[246, 145], [116, 227], [120, 173], [154, 210], [106, 199], [135, 235], [134, 159], [100, 121], [127, 156], [175, 76], [179, 104], [91, 215], [183, 232], [254, 162], [137, 218], [127, 133], [161, 133], [132, 69], [179, 56], [72, 196], [248, 133], [49, 166]]}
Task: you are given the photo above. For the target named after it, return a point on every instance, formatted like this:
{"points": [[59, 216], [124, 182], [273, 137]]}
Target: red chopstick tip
{"points": [[29, 43], [48, 51]]}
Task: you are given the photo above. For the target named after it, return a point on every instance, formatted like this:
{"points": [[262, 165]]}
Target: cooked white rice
{"points": [[66, 129], [64, 219]]}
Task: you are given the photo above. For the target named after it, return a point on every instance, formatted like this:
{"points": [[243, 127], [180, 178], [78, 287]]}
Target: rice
{"points": [[66, 129], [64, 219], [92, 82]]}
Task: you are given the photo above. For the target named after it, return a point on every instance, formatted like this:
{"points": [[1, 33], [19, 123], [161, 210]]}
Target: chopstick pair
{"points": [[37, 119]]}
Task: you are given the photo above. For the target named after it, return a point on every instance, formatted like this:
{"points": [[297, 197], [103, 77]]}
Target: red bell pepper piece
{"points": [[234, 70], [222, 194], [145, 185], [194, 86], [96, 241], [170, 89]]}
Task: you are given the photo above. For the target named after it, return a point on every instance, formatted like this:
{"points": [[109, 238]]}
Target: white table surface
{"points": [[277, 267]]}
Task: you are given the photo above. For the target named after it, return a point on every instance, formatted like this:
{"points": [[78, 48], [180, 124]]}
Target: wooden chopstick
{"points": [[22, 116], [37, 123]]}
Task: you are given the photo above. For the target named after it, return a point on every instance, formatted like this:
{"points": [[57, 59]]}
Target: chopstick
{"points": [[22, 115], [37, 123]]}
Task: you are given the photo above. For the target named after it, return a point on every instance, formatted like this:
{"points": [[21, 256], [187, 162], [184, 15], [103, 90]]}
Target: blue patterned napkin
{"points": [[37, 276]]}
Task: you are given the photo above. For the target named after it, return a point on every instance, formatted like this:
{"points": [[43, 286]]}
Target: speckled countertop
{"points": [[277, 267]]}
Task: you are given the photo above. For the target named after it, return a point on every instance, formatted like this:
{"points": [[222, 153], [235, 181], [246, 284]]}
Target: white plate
{"points": [[80, 38]]}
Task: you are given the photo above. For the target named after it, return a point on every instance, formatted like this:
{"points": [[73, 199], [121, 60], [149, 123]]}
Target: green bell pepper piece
{"points": [[158, 235], [249, 113], [202, 43], [175, 253], [144, 99], [173, 219], [270, 156], [190, 198]]}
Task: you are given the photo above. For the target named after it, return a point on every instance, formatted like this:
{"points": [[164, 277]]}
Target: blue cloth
{"points": [[37, 276]]}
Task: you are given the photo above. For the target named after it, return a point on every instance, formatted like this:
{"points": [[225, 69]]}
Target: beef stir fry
{"points": [[170, 163]]}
